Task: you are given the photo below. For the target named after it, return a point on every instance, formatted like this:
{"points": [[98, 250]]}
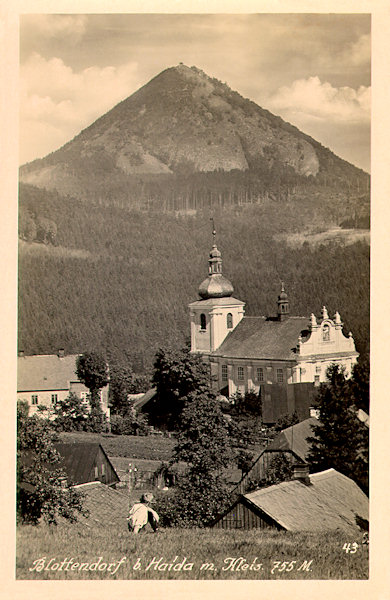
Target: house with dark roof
{"points": [[291, 443], [83, 462], [281, 358], [46, 379], [319, 502]]}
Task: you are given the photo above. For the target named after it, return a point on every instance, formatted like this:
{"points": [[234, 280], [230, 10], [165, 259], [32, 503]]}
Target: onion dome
{"points": [[215, 285], [282, 296]]}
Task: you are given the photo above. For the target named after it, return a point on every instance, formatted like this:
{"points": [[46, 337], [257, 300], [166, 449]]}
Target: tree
{"points": [[279, 469], [244, 461], [340, 440], [46, 230], [27, 226], [123, 381], [40, 489], [177, 373], [360, 384], [92, 370], [70, 414], [203, 443], [286, 421]]}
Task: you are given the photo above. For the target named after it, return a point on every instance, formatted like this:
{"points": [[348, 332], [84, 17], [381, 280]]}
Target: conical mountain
{"points": [[181, 122]]}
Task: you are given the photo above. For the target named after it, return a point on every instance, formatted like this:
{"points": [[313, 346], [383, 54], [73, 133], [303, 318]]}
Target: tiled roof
{"points": [[294, 438], [262, 337], [105, 507], [331, 502], [46, 372]]}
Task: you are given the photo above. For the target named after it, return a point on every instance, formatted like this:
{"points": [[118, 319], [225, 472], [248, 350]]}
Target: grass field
{"points": [[192, 553], [94, 543]]}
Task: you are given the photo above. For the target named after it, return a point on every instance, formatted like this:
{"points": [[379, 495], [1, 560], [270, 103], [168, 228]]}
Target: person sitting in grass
{"points": [[140, 514]]}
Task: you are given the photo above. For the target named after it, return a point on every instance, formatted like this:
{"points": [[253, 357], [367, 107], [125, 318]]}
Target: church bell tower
{"points": [[217, 313]]}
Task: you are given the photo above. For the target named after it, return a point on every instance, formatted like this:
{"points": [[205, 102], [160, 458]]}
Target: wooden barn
{"points": [[319, 502], [137, 473], [85, 463], [82, 463], [290, 442]]}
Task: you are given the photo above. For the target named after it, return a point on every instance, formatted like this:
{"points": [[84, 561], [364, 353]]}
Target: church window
{"points": [[224, 372], [229, 321], [240, 373], [279, 375], [260, 374], [203, 321], [326, 333]]}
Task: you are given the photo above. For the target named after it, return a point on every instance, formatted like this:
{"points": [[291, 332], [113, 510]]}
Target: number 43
{"points": [[350, 548]]}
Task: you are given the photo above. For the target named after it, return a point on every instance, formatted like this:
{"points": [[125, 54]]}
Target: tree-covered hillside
{"points": [[119, 281]]}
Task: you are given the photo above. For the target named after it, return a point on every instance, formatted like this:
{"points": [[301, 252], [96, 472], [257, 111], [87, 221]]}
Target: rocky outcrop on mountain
{"points": [[181, 122]]}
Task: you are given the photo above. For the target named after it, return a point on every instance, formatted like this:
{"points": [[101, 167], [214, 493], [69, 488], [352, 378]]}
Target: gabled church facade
{"points": [[281, 358]]}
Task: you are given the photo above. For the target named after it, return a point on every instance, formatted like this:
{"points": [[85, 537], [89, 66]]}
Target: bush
{"points": [[193, 502], [130, 424]]}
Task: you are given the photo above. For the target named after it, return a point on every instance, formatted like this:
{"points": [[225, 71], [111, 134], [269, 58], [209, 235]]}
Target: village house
{"points": [[290, 443], [46, 379], [319, 502], [86, 462], [281, 358]]}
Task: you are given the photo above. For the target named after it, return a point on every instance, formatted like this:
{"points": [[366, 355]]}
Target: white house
{"points": [[46, 379]]}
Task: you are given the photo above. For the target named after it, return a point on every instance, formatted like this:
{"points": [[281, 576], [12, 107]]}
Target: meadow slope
{"points": [[202, 554]]}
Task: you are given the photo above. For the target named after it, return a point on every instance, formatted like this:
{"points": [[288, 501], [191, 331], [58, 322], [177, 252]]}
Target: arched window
{"points": [[203, 321], [229, 321], [326, 333]]}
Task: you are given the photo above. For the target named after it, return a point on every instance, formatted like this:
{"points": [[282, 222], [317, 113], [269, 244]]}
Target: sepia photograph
{"points": [[193, 296]]}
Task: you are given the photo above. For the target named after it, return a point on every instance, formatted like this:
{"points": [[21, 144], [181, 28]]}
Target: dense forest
{"points": [[119, 281]]}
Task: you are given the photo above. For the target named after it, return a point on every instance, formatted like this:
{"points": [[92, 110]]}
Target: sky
{"points": [[313, 70]]}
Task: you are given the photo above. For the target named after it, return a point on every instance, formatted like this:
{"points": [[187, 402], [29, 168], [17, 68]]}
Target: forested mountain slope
{"points": [[119, 281], [115, 225]]}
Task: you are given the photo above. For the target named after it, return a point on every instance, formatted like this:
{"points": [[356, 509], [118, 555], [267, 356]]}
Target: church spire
{"points": [[283, 305], [215, 286]]}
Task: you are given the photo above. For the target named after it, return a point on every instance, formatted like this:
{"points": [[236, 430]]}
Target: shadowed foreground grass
{"points": [[72, 552]]}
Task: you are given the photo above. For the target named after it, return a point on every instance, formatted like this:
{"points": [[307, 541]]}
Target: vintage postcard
{"points": [[194, 241]]}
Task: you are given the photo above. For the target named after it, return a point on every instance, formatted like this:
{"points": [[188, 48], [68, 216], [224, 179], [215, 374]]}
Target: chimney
{"points": [[61, 353], [301, 473], [21, 353]]}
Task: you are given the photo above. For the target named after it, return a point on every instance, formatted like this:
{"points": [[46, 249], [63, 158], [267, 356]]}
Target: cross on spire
{"points": [[214, 231]]}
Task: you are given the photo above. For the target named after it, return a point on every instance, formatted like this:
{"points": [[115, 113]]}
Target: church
{"points": [[282, 358]]}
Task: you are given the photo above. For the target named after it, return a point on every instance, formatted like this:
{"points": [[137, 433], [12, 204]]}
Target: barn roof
{"points": [[295, 438], [330, 501], [78, 459], [145, 398], [44, 372], [262, 337]]}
